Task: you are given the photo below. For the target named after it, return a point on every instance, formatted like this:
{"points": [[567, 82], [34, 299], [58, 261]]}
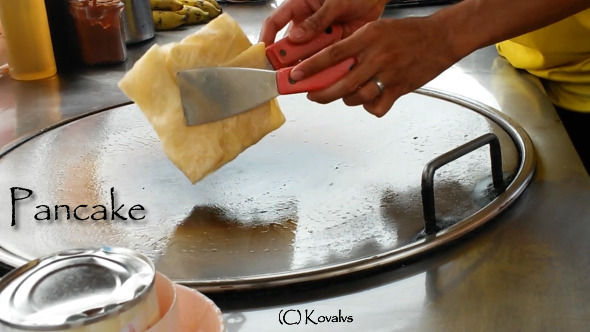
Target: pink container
{"points": [[184, 310]]}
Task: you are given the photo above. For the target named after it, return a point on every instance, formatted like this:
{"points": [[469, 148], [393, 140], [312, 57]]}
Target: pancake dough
{"points": [[199, 150]]}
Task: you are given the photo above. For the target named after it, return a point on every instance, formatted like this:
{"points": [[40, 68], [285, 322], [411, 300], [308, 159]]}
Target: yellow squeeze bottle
{"points": [[28, 42]]}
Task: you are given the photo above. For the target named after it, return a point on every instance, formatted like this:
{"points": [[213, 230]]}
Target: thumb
{"points": [[315, 24]]}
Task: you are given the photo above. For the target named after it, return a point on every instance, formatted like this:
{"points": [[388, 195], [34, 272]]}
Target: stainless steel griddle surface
{"points": [[334, 189]]}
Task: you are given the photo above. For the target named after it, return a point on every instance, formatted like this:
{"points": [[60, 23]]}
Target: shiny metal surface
{"points": [[524, 271], [213, 94], [138, 24], [73, 288], [312, 201]]}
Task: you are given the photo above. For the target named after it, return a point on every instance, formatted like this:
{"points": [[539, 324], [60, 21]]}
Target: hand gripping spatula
{"points": [[212, 94]]}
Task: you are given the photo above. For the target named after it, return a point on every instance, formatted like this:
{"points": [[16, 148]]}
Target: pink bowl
{"points": [[183, 309], [168, 301], [197, 312]]}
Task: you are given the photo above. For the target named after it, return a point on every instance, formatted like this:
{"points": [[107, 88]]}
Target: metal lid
{"points": [[75, 287]]}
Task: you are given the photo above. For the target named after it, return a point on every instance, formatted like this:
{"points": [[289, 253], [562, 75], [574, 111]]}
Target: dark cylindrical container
{"points": [[63, 35]]}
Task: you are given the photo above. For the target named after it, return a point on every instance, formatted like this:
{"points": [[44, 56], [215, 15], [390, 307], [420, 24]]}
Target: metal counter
{"points": [[525, 271]]}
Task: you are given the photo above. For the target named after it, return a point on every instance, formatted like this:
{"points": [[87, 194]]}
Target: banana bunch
{"points": [[170, 14]]}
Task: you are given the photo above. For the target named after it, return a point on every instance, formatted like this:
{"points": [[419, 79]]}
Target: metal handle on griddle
{"points": [[431, 167]]}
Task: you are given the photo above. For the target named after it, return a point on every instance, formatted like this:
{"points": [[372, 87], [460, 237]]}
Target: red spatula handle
{"points": [[318, 81], [285, 53]]}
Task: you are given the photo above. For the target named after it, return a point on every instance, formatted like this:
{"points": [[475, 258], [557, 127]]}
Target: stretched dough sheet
{"points": [[199, 150]]}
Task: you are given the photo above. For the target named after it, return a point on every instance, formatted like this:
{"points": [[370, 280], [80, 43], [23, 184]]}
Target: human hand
{"points": [[403, 54], [312, 17]]}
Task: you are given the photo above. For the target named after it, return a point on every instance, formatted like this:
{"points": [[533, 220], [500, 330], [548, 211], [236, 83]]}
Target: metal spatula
{"points": [[212, 94]]}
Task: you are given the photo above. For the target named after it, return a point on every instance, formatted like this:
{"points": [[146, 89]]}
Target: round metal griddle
{"points": [[333, 191]]}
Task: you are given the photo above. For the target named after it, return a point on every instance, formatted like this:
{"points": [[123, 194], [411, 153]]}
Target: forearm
{"points": [[472, 24]]}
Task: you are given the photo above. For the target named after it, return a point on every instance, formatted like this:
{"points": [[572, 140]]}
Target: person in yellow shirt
{"points": [[559, 54], [548, 38]]}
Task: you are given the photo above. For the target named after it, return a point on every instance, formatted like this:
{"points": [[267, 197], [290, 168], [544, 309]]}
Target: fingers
{"points": [[357, 77], [275, 22], [327, 57], [288, 11], [349, 85], [323, 16], [366, 93], [269, 31], [381, 105], [311, 18], [374, 100], [362, 86]]}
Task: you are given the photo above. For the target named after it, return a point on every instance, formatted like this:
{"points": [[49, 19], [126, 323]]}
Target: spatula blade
{"points": [[212, 94]]}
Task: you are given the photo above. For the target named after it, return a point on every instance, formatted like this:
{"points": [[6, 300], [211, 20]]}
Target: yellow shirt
{"points": [[560, 55]]}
